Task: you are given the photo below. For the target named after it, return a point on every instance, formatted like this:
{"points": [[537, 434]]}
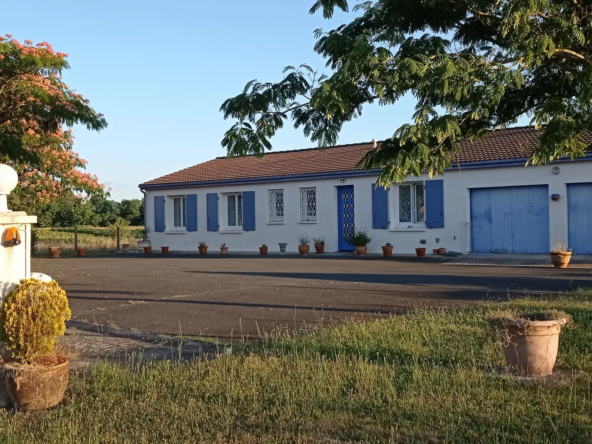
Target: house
{"points": [[487, 202]]}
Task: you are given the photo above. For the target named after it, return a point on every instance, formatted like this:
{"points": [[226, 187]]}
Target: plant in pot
{"points": [[387, 250], [560, 256], [530, 341], [359, 238], [203, 248], [223, 249], [263, 250], [319, 243], [144, 238], [32, 316], [303, 246]]}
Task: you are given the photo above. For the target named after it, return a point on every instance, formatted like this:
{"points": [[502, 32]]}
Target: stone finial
{"points": [[8, 182]]}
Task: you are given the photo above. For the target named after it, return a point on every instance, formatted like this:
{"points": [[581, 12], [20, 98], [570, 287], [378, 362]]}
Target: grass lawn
{"points": [[421, 377], [96, 240]]}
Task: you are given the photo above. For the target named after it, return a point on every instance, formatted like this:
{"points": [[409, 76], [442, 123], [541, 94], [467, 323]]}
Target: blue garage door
{"points": [[510, 220], [579, 203]]}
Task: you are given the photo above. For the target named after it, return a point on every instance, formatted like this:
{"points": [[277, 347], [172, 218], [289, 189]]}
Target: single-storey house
{"points": [[487, 202]]}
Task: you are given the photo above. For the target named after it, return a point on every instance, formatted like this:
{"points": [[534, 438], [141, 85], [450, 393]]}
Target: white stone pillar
{"points": [[15, 260]]}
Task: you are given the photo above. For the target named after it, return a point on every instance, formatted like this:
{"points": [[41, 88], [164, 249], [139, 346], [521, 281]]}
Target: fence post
{"points": [[75, 239], [117, 238]]}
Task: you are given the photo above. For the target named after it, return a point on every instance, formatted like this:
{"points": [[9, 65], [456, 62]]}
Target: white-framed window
{"points": [[234, 211], [179, 212], [275, 204], [308, 204], [409, 205]]}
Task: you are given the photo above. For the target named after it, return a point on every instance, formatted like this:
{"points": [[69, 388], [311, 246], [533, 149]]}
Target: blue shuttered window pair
{"points": [[434, 204], [160, 215], [248, 203]]}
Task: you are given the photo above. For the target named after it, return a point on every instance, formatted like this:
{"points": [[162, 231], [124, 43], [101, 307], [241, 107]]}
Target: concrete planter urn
{"points": [[530, 343], [303, 249], [142, 244], [36, 387], [561, 259], [263, 250], [126, 247], [387, 250], [54, 252], [420, 252], [81, 252], [361, 250], [283, 246]]}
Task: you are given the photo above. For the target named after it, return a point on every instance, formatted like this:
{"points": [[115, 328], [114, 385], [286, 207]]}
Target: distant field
{"points": [[96, 240]]}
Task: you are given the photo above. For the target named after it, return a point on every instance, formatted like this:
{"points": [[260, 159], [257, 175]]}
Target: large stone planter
{"points": [[35, 387]]}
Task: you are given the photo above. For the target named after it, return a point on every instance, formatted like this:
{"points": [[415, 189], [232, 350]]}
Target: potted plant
{"points": [[203, 248], [263, 250], [319, 243], [32, 316], [144, 236], [165, 250], [560, 256], [530, 341], [421, 252], [223, 249], [54, 252], [359, 238], [303, 246], [387, 250], [81, 252]]}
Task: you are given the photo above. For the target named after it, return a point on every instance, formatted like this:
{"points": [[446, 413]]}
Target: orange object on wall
{"points": [[12, 237]]}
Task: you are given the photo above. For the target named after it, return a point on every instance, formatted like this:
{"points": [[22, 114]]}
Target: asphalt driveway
{"points": [[229, 297]]}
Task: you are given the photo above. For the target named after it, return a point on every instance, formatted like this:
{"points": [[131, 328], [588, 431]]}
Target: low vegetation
{"points": [[94, 239], [428, 376]]}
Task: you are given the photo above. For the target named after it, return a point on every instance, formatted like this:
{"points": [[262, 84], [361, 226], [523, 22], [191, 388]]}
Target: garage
{"points": [[510, 219], [579, 215]]}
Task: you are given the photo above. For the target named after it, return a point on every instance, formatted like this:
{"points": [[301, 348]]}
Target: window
{"points": [[308, 204], [180, 213], [276, 205], [234, 207], [410, 205]]}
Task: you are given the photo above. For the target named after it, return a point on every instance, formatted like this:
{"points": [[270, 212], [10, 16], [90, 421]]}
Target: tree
{"points": [[132, 210], [36, 108], [478, 67]]}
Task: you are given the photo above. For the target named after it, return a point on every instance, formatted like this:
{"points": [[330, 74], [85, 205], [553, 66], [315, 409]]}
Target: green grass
{"points": [[96, 240], [428, 376]]}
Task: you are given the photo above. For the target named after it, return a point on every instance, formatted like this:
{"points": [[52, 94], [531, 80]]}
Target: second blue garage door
{"points": [[579, 200], [510, 220]]}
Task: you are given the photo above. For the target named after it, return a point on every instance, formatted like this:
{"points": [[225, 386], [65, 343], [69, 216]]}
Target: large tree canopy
{"points": [[473, 66], [36, 109]]}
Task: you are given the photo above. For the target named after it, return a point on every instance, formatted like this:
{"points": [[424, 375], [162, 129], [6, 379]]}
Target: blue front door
{"points": [[346, 215]]}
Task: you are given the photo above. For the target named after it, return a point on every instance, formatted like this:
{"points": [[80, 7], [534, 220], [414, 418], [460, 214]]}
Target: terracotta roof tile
{"points": [[512, 143]]}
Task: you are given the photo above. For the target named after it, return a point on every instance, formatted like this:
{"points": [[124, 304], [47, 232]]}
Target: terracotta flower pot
{"points": [[263, 251], [387, 250], [320, 248], [147, 250], [530, 347], [303, 249], [54, 252], [165, 250], [420, 252], [203, 249], [441, 250], [436, 251], [36, 387], [81, 252], [361, 251], [561, 260], [223, 250]]}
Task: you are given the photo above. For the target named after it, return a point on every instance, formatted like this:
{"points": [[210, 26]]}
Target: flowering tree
{"points": [[36, 108]]}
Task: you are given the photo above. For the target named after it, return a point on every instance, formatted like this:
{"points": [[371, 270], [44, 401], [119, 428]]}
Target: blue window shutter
{"points": [[212, 207], [248, 210], [434, 201], [159, 224], [380, 208], [191, 208]]}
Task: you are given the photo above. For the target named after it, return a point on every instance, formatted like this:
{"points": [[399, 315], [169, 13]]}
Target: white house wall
{"points": [[455, 236]]}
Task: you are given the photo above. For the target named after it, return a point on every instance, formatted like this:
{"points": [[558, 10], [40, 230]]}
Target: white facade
{"points": [[405, 237]]}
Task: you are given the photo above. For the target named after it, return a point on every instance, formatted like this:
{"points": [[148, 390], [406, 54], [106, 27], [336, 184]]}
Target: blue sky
{"points": [[159, 71]]}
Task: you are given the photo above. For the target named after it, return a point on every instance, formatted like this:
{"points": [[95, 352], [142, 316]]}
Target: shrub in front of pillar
{"points": [[32, 317]]}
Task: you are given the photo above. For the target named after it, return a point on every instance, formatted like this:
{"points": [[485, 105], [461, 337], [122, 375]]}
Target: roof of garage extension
{"points": [[504, 145]]}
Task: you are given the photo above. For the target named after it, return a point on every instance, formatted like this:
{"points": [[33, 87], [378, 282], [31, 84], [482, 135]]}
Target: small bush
{"points": [[32, 317], [358, 238]]}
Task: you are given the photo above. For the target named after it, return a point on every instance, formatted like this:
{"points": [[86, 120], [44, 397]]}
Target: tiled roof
{"points": [[512, 143]]}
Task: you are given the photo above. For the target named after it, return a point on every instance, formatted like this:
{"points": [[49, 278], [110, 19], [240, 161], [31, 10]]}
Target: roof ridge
{"points": [[345, 145]]}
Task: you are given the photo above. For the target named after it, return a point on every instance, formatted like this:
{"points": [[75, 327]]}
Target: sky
{"points": [[159, 71]]}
